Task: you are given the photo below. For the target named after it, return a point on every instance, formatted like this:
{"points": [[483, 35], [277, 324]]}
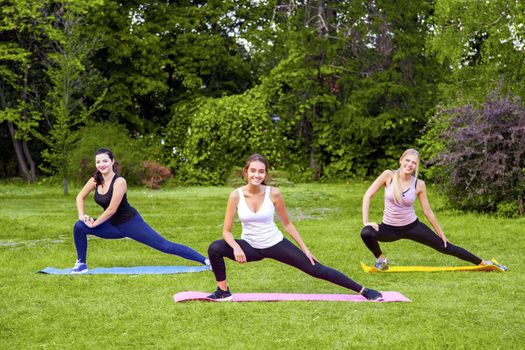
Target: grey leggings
{"points": [[416, 231]]}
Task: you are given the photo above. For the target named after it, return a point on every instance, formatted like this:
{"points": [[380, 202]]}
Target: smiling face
{"points": [[409, 163], [255, 173], [104, 163]]}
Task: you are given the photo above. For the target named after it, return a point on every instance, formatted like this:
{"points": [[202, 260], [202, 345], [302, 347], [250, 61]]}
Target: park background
{"points": [[330, 92]]}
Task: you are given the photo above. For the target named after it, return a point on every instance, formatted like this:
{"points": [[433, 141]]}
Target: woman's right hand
{"points": [[240, 257], [374, 225]]}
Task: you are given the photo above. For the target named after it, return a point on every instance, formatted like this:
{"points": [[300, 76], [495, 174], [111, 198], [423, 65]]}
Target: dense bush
{"points": [[219, 134], [484, 155]]}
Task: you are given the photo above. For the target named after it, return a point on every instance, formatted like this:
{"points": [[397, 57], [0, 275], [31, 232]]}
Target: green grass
{"points": [[456, 310]]}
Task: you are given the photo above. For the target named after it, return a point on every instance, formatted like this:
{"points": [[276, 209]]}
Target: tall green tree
{"points": [[69, 49], [22, 81], [483, 43], [157, 54], [356, 86]]}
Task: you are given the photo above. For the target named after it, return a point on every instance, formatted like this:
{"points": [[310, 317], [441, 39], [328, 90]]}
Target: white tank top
{"points": [[259, 229]]}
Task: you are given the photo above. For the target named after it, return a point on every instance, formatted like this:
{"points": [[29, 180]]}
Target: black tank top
{"points": [[124, 211]]}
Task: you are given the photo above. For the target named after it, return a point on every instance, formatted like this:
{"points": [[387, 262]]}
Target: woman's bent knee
{"points": [[215, 247], [368, 232], [79, 227]]}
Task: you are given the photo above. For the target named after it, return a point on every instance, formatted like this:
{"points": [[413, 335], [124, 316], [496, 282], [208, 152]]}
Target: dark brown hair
{"points": [[99, 179], [256, 157]]}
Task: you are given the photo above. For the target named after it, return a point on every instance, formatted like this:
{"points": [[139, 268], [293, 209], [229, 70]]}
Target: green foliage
{"points": [[128, 153], [154, 56], [222, 133], [352, 83], [432, 143], [483, 42], [57, 43]]}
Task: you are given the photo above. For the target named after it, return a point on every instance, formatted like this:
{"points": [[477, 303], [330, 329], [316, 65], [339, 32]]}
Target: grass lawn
{"points": [[456, 310]]}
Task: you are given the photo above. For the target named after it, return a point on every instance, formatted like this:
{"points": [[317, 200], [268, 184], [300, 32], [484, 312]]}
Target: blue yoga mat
{"points": [[135, 270]]}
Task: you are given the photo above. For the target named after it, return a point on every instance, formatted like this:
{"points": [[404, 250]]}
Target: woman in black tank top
{"points": [[119, 219]]}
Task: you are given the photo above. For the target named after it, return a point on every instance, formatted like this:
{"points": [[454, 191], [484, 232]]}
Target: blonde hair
{"points": [[397, 189]]}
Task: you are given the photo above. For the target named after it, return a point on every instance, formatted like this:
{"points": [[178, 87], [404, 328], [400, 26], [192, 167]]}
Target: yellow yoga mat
{"points": [[372, 269]]}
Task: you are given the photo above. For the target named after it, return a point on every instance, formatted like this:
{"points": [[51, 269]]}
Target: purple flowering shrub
{"points": [[483, 160]]}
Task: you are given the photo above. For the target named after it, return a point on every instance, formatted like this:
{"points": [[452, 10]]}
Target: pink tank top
{"points": [[400, 214]]}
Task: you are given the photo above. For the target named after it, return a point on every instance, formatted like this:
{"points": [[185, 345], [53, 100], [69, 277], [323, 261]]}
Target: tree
{"points": [[21, 77], [483, 43], [157, 54], [356, 86], [64, 110]]}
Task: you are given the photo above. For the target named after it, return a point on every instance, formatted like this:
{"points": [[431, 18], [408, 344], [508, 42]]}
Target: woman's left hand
{"points": [[310, 256]]}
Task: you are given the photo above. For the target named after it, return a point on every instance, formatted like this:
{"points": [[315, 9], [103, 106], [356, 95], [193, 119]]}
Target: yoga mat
{"points": [[244, 297], [372, 269], [135, 270]]}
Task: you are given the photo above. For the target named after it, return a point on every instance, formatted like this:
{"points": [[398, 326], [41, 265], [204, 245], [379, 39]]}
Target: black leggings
{"points": [[285, 252], [416, 231]]}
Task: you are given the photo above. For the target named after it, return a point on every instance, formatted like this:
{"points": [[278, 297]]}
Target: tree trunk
{"points": [[23, 156], [30, 161], [66, 186]]}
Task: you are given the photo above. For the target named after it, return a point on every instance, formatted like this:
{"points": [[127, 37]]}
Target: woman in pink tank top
{"points": [[399, 217]]}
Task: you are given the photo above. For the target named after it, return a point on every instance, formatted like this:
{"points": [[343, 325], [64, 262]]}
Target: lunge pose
{"points": [[119, 219], [255, 203], [402, 187]]}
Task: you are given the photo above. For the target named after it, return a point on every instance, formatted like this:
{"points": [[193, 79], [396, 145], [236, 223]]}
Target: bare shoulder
{"points": [[420, 186], [386, 176], [275, 192], [120, 181], [234, 195], [388, 173], [92, 182]]}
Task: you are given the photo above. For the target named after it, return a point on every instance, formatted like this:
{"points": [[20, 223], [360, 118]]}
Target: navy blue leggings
{"points": [[285, 252], [416, 231], [135, 229]]}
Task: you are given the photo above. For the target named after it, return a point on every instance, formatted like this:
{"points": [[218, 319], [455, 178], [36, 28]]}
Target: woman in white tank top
{"points": [[256, 203]]}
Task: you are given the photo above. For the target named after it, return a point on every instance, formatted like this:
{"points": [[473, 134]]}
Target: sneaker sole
{"points": [[224, 299], [79, 272]]}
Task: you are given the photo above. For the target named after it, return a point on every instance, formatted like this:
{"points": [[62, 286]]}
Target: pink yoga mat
{"points": [[241, 297]]}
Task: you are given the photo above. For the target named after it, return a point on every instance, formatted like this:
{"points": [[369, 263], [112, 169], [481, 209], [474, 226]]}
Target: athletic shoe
{"points": [[494, 263], [221, 295], [80, 267], [372, 295], [381, 264]]}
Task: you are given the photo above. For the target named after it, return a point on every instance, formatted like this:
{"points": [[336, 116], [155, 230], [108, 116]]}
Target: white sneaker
{"points": [[80, 267]]}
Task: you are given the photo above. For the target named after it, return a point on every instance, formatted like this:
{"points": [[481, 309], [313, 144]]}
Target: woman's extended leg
{"points": [[288, 253], [421, 233], [140, 231]]}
